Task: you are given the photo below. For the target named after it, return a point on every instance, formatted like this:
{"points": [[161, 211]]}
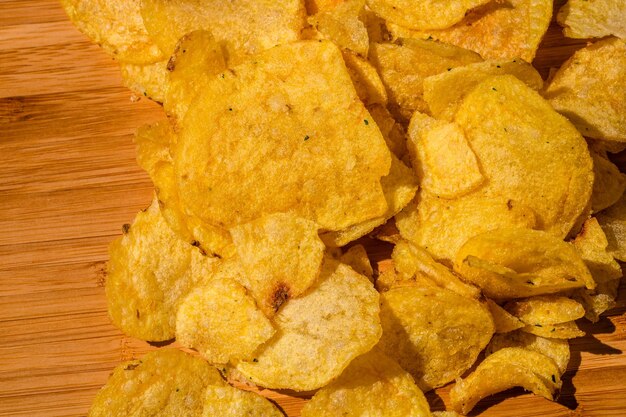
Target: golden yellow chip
{"points": [[318, 334], [281, 255], [593, 19], [164, 383], [153, 145], [567, 330], [446, 414], [403, 68], [366, 81], [442, 226], [283, 132], [424, 14], [504, 321], [497, 30], [548, 167], [411, 261], [392, 131], [544, 310], [222, 322], [342, 26], [589, 90], [613, 223], [117, 27], [556, 349], [150, 271], [514, 263], [442, 158], [150, 80], [433, 333], [372, 385], [598, 301], [592, 245], [608, 185], [507, 368], [444, 92], [242, 28], [227, 401], [356, 258]]}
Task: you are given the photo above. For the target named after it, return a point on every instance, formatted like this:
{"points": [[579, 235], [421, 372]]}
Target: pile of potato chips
{"points": [[295, 128]]}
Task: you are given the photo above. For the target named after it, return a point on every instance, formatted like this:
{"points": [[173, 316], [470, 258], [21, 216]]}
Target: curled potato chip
{"points": [[613, 223], [506, 368], [428, 338], [537, 144], [442, 172], [271, 116], [163, 383], [227, 401], [497, 30], [608, 185], [366, 81], [342, 26], [117, 27], [588, 90], [282, 256], [425, 14], [222, 322], [593, 19], [592, 245], [598, 301], [404, 66], [150, 271], [356, 258], [504, 321], [318, 334], [442, 226], [514, 263], [444, 92], [150, 80], [556, 349], [373, 384], [567, 330], [545, 309]]}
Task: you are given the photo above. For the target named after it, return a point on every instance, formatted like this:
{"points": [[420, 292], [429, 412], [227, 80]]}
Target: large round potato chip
{"points": [[150, 271], [318, 334], [164, 383], [226, 401], [589, 90], [593, 19], [513, 263], [372, 385], [283, 132], [222, 322], [433, 333], [117, 26]]}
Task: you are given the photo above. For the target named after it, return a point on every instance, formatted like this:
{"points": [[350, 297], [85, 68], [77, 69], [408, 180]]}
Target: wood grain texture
{"points": [[68, 181]]}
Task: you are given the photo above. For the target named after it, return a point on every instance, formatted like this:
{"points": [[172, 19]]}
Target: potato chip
{"points": [[153, 145], [547, 168], [608, 185], [442, 226], [545, 309], [446, 414], [222, 322], [298, 103], [342, 26], [514, 263], [598, 301], [227, 401], [164, 383], [148, 80], [117, 27], [242, 28], [593, 19], [366, 81], [588, 90], [372, 385], [315, 6], [425, 14], [613, 223], [442, 158], [282, 256], [556, 349], [356, 258], [444, 92], [393, 132], [319, 333], [150, 271], [399, 188], [504, 321], [497, 30], [567, 330], [411, 261], [591, 243], [404, 66], [507, 368], [428, 338]]}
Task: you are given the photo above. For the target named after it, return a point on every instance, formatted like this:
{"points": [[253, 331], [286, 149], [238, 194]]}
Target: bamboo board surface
{"points": [[69, 180]]}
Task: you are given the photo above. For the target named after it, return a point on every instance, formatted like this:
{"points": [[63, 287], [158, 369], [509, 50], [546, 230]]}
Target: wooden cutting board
{"points": [[68, 181]]}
